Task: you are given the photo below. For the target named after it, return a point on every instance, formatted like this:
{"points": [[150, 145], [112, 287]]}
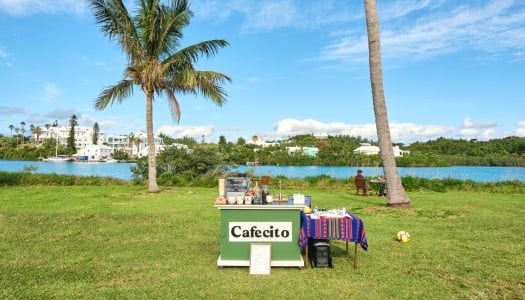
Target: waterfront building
{"points": [[135, 144], [369, 149], [309, 151], [94, 153]]}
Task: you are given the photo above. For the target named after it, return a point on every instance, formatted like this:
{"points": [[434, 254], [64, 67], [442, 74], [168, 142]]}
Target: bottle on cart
{"points": [[265, 192], [257, 193]]}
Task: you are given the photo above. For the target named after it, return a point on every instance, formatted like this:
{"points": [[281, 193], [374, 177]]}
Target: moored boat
{"points": [[59, 158]]}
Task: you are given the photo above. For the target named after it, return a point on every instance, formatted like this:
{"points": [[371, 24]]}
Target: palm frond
{"points": [[178, 17], [209, 85], [173, 102], [115, 93], [206, 48], [161, 26], [118, 25]]}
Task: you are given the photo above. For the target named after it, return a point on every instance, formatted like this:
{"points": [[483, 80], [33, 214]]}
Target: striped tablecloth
{"points": [[349, 228]]}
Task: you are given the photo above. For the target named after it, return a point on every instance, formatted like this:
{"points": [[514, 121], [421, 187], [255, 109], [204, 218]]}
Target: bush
{"points": [[24, 178]]}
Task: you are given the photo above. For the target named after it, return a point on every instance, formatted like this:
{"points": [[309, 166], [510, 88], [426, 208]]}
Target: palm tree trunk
{"points": [[152, 164], [396, 196]]}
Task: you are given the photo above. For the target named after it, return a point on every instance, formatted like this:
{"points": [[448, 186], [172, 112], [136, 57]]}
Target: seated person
{"points": [[360, 182]]}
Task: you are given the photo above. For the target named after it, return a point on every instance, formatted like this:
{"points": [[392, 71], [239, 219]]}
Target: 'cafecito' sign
{"points": [[260, 232]]}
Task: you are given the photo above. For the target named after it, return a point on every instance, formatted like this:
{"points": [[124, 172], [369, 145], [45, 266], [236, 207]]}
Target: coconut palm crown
{"points": [[151, 40]]}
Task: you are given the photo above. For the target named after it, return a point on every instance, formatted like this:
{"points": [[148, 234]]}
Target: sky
{"points": [[453, 69]]}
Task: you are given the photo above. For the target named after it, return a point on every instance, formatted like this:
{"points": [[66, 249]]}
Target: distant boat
{"points": [[59, 158]]}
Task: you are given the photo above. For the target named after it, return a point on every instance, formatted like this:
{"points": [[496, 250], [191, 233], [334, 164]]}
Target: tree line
{"points": [[176, 165], [21, 147], [332, 150]]}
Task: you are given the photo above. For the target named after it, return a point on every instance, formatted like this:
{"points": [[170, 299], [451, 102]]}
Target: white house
{"points": [[94, 153], [369, 149], [310, 151], [84, 142], [398, 152], [159, 148]]}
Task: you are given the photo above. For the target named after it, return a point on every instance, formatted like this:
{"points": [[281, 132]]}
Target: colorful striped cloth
{"points": [[349, 228]]}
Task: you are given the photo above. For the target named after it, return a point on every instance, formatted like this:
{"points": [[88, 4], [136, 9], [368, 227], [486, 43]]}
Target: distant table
{"points": [[376, 184], [348, 228]]}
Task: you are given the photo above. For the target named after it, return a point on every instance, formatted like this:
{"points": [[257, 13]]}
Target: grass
{"points": [[120, 242]]}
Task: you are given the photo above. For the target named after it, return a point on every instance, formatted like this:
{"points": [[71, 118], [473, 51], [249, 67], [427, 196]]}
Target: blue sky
{"points": [[451, 69]]}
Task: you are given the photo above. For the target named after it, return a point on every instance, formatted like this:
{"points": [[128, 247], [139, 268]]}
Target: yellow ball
{"points": [[403, 236], [307, 210]]}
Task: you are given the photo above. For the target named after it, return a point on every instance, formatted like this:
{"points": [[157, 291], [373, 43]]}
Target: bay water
{"points": [[123, 170]]}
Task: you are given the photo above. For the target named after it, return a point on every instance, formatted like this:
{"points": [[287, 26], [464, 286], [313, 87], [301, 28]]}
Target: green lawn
{"points": [[99, 242]]}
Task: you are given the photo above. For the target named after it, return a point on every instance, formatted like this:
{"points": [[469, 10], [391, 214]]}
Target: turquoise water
{"points": [[122, 170], [116, 170], [479, 174]]}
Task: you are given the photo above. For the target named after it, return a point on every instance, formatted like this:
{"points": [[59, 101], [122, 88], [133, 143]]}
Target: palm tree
{"points": [[11, 127], [38, 132], [131, 142], [71, 137], [396, 193], [17, 131], [32, 131], [137, 143], [96, 133], [151, 41], [23, 131]]}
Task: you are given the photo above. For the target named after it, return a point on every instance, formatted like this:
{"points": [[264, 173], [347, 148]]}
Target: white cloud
{"points": [[520, 131], [496, 27], [34, 7], [9, 110], [469, 124], [400, 132], [408, 132], [61, 115], [196, 132], [479, 130], [51, 93], [397, 9], [272, 14], [3, 53], [107, 126]]}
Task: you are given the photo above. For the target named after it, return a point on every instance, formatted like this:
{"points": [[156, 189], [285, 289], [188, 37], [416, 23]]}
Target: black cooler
{"points": [[319, 253]]}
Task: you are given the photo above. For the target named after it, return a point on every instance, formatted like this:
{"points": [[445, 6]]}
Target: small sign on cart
{"points": [[260, 259]]}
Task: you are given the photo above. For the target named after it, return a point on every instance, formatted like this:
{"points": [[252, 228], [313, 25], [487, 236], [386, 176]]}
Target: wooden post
{"points": [[306, 260], [355, 256]]}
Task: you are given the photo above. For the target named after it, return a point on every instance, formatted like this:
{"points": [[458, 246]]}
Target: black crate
{"points": [[319, 253]]}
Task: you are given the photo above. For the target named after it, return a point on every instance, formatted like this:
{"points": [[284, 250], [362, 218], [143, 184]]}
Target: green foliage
{"points": [[183, 166], [333, 151], [418, 159], [167, 140], [96, 132], [26, 178], [509, 151], [71, 148], [413, 184], [121, 155], [241, 141]]}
